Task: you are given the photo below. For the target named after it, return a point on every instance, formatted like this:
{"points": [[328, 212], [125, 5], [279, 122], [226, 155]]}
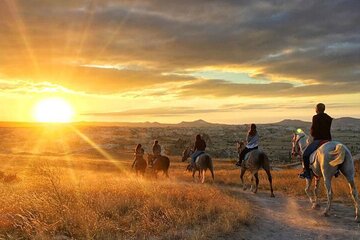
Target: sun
{"points": [[53, 110]]}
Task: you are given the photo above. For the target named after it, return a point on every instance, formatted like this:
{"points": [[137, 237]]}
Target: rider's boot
{"points": [[305, 174], [238, 163], [337, 173]]}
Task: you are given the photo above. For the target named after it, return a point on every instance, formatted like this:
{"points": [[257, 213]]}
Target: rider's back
{"points": [[321, 125]]}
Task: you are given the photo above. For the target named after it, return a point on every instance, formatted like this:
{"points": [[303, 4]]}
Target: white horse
{"points": [[325, 162]]}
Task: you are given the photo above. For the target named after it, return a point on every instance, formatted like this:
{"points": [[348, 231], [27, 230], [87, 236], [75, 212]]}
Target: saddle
{"points": [[199, 154], [247, 155], [313, 155]]}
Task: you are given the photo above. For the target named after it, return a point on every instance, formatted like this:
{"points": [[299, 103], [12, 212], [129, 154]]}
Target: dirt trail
{"points": [[286, 217]]}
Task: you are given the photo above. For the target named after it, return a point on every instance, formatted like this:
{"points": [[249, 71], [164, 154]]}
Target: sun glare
{"points": [[53, 110]]}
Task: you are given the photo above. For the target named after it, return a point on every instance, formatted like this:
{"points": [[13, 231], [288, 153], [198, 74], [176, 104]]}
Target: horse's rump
{"points": [[338, 154], [331, 152], [254, 159], [140, 163]]}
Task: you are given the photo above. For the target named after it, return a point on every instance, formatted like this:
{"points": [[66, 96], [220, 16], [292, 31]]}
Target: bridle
{"points": [[296, 147]]}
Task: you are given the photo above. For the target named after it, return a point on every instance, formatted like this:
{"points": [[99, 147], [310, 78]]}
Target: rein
{"points": [[297, 145]]}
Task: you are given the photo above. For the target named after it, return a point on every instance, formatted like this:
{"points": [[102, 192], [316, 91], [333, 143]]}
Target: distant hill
{"points": [[293, 123], [345, 122], [197, 123]]}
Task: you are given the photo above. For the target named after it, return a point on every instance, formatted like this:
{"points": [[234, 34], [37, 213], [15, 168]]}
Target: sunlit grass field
{"points": [[79, 197], [82, 198]]}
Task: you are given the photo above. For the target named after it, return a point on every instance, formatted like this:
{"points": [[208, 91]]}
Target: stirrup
{"points": [[305, 174]]}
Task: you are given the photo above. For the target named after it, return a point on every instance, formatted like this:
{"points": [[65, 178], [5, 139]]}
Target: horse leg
{"points": [[256, 175], [193, 175], [316, 204], [203, 176], [167, 173], [307, 189], [268, 173], [242, 172], [327, 180], [212, 174], [252, 183], [355, 198]]}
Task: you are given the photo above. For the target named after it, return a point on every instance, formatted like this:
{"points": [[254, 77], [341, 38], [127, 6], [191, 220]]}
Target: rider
{"points": [[139, 154], [320, 131], [252, 140], [199, 148], [156, 149]]}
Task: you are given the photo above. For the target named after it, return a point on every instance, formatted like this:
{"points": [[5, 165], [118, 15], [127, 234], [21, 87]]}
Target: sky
{"points": [[171, 61]]}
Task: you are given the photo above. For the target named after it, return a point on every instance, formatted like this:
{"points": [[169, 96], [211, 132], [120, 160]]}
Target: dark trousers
{"points": [[308, 151], [244, 152]]}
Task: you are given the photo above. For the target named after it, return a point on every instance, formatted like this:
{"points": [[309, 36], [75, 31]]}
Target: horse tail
{"points": [[339, 155]]}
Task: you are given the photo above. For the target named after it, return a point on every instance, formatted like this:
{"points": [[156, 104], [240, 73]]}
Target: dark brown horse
{"points": [[161, 163], [140, 165]]}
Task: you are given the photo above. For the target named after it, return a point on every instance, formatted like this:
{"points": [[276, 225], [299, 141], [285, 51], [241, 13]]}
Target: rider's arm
{"points": [[314, 127]]}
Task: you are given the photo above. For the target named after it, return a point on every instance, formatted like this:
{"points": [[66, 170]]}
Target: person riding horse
{"points": [[199, 148], [252, 140], [139, 154], [156, 149], [320, 131]]}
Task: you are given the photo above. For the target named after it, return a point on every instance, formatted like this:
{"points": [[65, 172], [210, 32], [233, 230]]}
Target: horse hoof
{"points": [[272, 195], [244, 188], [325, 214], [357, 219]]}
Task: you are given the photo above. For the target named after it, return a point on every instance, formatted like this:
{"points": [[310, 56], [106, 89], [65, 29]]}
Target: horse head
{"points": [[296, 149], [240, 145], [186, 154]]}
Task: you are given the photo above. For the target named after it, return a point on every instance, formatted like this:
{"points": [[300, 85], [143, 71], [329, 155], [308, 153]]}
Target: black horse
{"points": [[161, 163]]}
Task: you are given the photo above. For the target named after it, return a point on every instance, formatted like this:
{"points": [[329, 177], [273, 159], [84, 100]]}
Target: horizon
{"points": [[161, 123], [226, 62]]}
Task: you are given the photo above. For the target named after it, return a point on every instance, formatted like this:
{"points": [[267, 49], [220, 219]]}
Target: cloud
{"points": [[315, 42], [221, 88]]}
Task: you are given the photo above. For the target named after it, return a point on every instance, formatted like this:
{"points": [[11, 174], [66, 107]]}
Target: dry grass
{"points": [[285, 181], [95, 199]]}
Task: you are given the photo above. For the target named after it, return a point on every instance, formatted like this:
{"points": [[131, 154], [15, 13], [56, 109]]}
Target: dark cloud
{"points": [[308, 41]]}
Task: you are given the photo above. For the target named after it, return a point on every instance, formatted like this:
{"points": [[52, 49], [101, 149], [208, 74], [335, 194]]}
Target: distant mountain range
{"points": [[345, 122], [337, 123]]}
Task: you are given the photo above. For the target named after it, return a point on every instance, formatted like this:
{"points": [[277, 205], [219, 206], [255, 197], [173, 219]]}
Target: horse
{"points": [[202, 163], [325, 162], [140, 165], [253, 161], [162, 163]]}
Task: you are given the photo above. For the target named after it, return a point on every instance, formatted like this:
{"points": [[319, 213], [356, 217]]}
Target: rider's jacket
{"points": [[156, 149], [200, 145], [321, 125]]}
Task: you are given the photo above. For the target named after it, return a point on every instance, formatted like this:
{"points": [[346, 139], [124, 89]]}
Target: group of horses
{"points": [[329, 158], [159, 164]]}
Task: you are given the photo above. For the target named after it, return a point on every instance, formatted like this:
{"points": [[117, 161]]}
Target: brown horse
{"points": [[255, 160], [139, 165], [162, 163]]}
